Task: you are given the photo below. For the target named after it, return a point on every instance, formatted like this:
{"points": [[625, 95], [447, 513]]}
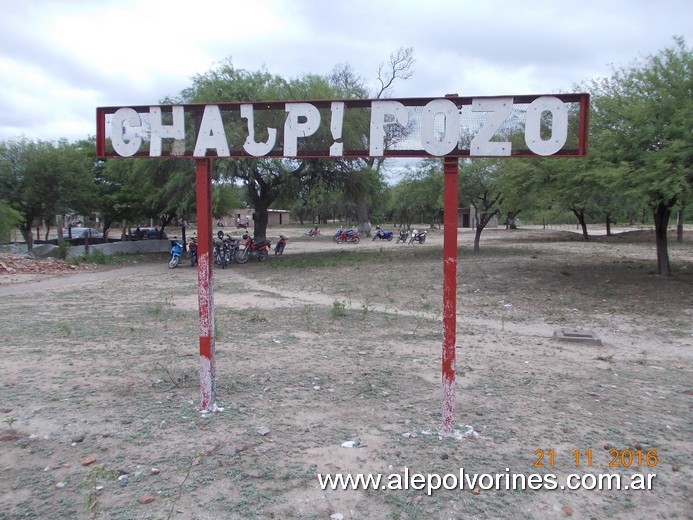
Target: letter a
{"points": [[212, 135]]}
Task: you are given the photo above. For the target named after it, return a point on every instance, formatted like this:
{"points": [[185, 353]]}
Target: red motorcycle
{"points": [[314, 232], [253, 249], [346, 235], [279, 248], [192, 251]]}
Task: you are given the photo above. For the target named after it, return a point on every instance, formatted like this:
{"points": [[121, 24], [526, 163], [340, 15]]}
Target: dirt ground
{"points": [[327, 344]]}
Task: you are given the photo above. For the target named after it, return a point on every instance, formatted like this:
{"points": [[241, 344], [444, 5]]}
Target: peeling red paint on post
{"points": [[205, 293], [450, 169]]}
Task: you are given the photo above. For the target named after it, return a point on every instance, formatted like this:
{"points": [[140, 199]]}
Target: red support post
{"points": [[205, 293], [450, 171]]}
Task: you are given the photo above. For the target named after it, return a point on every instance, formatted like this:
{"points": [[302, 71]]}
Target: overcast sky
{"points": [[60, 59]]}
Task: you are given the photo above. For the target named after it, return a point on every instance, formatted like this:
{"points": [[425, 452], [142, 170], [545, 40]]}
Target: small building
{"points": [[275, 217], [278, 217], [466, 218]]}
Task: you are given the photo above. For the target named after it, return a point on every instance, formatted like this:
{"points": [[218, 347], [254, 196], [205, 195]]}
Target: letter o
{"points": [[489, 481], [592, 481], [450, 481], [559, 125], [451, 133]]}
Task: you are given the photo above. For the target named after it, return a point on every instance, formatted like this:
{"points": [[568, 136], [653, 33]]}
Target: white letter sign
{"points": [[159, 130], [450, 126], [380, 109], [212, 135], [444, 143], [336, 122], [293, 128], [559, 125], [132, 118], [253, 148], [500, 109]]}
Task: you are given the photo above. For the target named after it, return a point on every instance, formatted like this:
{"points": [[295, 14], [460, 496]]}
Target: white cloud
{"points": [[60, 59]]}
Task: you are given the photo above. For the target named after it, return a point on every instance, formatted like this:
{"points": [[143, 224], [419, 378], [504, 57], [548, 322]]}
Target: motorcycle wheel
{"points": [[355, 240], [389, 239], [338, 240], [173, 262], [422, 239], [241, 256], [262, 255], [193, 261]]}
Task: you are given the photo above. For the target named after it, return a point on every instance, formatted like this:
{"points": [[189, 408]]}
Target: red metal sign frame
{"points": [[196, 111]]}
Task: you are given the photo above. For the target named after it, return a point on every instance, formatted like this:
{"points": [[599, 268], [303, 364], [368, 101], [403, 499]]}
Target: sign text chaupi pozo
{"points": [[501, 126]]}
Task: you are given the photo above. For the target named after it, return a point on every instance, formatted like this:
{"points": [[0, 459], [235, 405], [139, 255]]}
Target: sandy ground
{"points": [[332, 344]]}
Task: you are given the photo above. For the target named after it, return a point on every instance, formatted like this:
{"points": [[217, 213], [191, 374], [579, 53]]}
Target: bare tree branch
{"points": [[399, 67]]}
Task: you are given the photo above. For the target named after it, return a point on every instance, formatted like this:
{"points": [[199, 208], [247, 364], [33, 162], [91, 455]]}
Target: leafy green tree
{"points": [[641, 121], [225, 197], [9, 218], [118, 197], [478, 184], [41, 180], [419, 195], [267, 179]]}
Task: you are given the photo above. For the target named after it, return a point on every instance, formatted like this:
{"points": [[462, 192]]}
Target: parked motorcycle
{"points": [[314, 232], [403, 235], [192, 252], [221, 256], [241, 225], [231, 244], [279, 248], [383, 235], [418, 236], [176, 251], [346, 235], [253, 249]]}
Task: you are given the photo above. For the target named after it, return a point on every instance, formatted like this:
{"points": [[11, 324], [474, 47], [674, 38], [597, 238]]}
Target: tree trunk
{"points": [[28, 236], [679, 224], [261, 220], [608, 224], [630, 216], [362, 214], [580, 215], [477, 238], [662, 213], [59, 226], [480, 225]]}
